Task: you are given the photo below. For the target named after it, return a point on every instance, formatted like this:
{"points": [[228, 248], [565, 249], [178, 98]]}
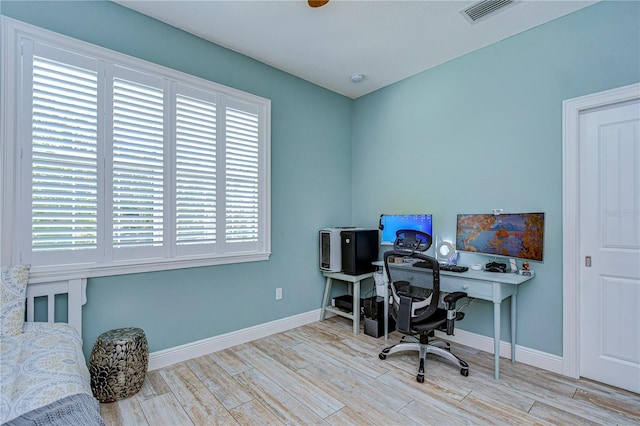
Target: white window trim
{"points": [[12, 31]]}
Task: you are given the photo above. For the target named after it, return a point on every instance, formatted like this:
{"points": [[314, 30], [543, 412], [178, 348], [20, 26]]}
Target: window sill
{"points": [[39, 274]]}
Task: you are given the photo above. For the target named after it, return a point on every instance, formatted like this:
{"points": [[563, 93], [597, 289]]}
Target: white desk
{"points": [[352, 280], [492, 286]]}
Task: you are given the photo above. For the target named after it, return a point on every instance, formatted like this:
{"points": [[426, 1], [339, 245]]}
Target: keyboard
{"points": [[453, 268], [443, 267]]}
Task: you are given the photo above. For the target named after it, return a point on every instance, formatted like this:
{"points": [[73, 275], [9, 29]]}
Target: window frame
{"points": [[11, 190]]}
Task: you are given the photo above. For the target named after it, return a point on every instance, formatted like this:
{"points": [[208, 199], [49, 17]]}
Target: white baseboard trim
{"points": [[524, 355], [166, 357], [188, 351]]}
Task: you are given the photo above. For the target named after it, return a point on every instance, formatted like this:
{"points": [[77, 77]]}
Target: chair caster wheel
{"points": [[382, 356], [420, 378], [464, 372]]}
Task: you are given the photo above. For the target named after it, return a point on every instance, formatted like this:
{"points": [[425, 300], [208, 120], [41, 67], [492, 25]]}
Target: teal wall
{"points": [[479, 132], [484, 131], [310, 187]]}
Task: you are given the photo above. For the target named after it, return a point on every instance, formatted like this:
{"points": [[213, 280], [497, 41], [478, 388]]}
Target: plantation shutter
{"points": [[64, 155], [196, 157], [124, 166], [242, 177], [138, 162]]}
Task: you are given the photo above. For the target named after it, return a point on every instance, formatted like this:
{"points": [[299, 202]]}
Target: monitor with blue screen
{"points": [[390, 223]]}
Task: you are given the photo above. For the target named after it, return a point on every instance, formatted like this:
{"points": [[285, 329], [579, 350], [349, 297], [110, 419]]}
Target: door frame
{"points": [[571, 110]]}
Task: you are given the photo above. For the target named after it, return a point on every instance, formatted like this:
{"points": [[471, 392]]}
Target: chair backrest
{"points": [[420, 284]]}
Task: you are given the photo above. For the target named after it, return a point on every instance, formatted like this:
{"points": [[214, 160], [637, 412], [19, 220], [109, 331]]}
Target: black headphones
{"points": [[495, 267]]}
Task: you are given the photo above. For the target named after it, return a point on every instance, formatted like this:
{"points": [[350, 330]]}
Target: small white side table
{"points": [[354, 289]]}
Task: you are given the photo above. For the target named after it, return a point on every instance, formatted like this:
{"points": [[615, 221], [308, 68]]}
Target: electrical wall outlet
{"points": [[278, 293]]}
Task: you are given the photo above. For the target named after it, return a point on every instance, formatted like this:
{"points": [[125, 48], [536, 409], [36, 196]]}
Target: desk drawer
{"points": [[473, 287], [450, 281]]}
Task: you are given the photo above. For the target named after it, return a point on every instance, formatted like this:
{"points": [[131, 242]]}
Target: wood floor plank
{"points": [[284, 355], [608, 391], [346, 384], [230, 361], [469, 411], [153, 385], [587, 410], [219, 382], [126, 411], [371, 403], [426, 393], [280, 402], [495, 410], [494, 393], [253, 413], [164, 410], [296, 384], [339, 354], [537, 387], [111, 413], [442, 412], [348, 417], [627, 407], [194, 397], [489, 390], [282, 339], [557, 416], [445, 404], [325, 334]]}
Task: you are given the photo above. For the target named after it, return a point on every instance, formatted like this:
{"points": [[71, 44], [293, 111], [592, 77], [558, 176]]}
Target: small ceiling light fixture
{"points": [[357, 78], [317, 3]]}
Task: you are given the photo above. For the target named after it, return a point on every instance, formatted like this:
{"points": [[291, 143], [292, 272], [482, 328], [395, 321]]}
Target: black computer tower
{"points": [[359, 249], [374, 317]]}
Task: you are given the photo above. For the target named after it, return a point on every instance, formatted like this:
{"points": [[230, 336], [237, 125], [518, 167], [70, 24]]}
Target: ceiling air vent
{"points": [[484, 8]]}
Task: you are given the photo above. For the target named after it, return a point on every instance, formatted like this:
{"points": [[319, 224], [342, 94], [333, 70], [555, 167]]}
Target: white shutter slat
{"points": [[66, 82], [64, 157], [76, 141], [195, 170], [242, 174], [138, 165]]}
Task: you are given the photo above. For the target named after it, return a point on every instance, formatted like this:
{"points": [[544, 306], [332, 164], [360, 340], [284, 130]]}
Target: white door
{"points": [[609, 211]]}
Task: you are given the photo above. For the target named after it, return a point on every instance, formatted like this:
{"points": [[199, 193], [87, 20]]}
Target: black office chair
{"points": [[415, 287]]}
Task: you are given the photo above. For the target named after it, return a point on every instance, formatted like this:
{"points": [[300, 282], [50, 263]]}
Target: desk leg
{"points": [[356, 307], [513, 325], [325, 299], [496, 340], [386, 313]]}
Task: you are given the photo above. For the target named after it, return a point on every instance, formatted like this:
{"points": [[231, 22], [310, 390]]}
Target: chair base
{"points": [[425, 348]]}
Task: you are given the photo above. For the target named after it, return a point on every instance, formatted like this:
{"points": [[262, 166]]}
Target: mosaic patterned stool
{"points": [[118, 364]]}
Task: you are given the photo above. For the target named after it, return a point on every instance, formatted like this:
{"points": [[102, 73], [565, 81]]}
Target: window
{"points": [[126, 166]]}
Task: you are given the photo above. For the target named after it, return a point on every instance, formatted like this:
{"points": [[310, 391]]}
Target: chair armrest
{"points": [[454, 297], [451, 299]]}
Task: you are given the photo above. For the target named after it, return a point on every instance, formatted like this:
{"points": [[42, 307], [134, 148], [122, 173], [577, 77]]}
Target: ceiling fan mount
{"points": [[317, 3]]}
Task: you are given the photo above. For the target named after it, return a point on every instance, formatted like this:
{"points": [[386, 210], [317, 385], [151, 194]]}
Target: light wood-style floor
{"points": [[321, 374]]}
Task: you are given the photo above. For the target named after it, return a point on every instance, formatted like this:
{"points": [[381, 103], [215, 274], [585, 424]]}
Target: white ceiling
{"points": [[384, 40]]}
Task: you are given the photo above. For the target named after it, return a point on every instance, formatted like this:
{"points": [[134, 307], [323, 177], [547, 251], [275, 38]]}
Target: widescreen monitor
{"points": [[515, 235], [390, 223]]}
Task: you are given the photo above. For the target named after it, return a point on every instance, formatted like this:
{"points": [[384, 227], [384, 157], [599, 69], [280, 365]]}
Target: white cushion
{"points": [[13, 292]]}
